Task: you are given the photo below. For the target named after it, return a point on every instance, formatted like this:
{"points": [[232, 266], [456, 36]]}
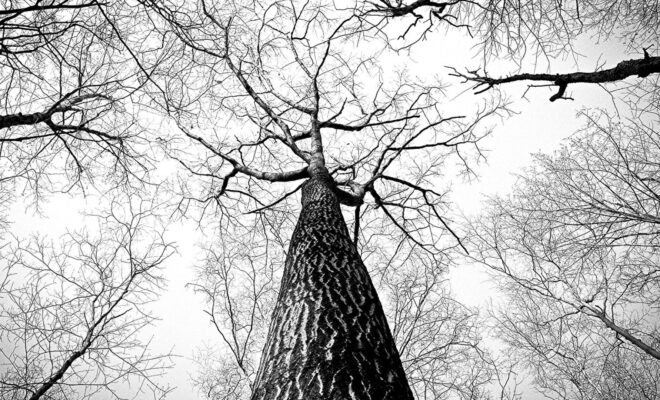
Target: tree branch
{"points": [[285, 176], [641, 67], [399, 10], [600, 314]]}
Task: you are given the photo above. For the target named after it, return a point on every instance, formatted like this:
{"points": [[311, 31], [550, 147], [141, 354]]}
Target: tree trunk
{"points": [[328, 337]]}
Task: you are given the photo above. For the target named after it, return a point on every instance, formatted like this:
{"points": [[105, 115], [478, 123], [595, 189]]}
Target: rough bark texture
{"points": [[328, 338]]}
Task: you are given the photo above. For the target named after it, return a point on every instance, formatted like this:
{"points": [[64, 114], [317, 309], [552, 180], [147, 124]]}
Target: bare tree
{"points": [[576, 250], [238, 282], [304, 107], [544, 28], [70, 72], [72, 314], [439, 338], [540, 30]]}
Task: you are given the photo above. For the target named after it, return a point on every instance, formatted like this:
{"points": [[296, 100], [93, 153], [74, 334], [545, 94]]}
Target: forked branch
{"points": [[641, 67]]}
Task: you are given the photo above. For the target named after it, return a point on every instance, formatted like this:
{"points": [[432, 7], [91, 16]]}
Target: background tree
{"points": [[71, 76], [438, 337], [72, 314], [575, 251], [533, 35]]}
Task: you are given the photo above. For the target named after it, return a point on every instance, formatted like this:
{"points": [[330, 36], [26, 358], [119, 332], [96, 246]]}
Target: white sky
{"points": [[539, 126]]}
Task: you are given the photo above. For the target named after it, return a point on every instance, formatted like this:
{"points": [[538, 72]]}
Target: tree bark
{"points": [[328, 337]]}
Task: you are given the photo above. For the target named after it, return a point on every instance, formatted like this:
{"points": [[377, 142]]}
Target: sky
{"points": [[538, 126]]}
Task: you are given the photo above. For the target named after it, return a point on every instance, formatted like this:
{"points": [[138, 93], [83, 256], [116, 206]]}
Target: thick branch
{"points": [[365, 124], [59, 373], [7, 121], [65, 104], [642, 67], [623, 332], [400, 10], [42, 7], [350, 199]]}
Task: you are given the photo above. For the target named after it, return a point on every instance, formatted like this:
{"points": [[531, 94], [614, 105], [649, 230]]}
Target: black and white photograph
{"points": [[329, 200]]}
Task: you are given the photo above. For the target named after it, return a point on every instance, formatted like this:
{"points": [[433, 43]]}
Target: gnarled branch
{"points": [[641, 67]]}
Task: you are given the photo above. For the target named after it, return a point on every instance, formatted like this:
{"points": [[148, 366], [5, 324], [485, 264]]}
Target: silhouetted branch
{"points": [[642, 68]]}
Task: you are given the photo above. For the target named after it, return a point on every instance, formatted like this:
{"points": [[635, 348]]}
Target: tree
{"points": [[438, 337], [277, 71], [72, 314], [540, 30], [71, 73], [575, 247]]}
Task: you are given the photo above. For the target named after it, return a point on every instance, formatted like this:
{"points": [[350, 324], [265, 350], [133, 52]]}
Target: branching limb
{"points": [[420, 17], [238, 73], [386, 8], [382, 204], [70, 321], [65, 104], [641, 67], [599, 313], [425, 193], [365, 124], [285, 176]]}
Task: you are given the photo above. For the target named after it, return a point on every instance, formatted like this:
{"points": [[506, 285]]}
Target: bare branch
{"points": [[642, 68]]}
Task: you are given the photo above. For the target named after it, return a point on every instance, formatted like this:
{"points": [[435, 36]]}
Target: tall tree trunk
{"points": [[328, 337]]}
